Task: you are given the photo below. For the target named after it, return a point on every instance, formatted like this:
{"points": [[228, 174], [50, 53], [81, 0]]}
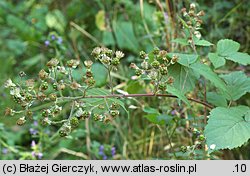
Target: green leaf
{"points": [[184, 77], [178, 93], [238, 84], [226, 47], [181, 41], [216, 60], [150, 110], [185, 59], [16, 46], [241, 58], [100, 20], [203, 43], [216, 99], [33, 60], [56, 20], [205, 71], [100, 74], [159, 119], [125, 36], [227, 128]]}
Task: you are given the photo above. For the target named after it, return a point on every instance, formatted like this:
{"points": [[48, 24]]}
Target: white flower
{"points": [[212, 146], [119, 54], [192, 5], [9, 83]]}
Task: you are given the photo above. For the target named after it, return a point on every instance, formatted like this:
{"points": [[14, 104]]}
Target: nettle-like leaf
{"points": [[228, 50], [178, 93], [216, 60], [226, 47], [205, 71], [238, 85], [155, 117], [184, 77], [216, 99], [185, 59], [227, 128]]}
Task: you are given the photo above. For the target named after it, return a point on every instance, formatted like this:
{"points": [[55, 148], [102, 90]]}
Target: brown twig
{"points": [[139, 95]]}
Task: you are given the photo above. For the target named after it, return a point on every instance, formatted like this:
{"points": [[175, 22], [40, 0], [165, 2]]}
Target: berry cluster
{"points": [[154, 67], [193, 21]]}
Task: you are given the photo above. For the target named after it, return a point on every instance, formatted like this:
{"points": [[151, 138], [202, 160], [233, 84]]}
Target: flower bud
{"points": [[43, 75], [53, 63], [170, 80], [21, 121]]}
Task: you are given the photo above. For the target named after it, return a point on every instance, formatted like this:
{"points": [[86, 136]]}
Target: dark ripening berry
{"points": [[89, 73], [155, 64], [90, 81], [44, 86], [74, 122], [138, 72]]}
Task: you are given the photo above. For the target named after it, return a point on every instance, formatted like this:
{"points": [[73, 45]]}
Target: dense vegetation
{"points": [[124, 79]]}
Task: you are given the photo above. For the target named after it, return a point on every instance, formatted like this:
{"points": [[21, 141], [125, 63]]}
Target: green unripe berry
{"points": [[114, 113], [155, 64], [96, 117], [54, 85], [162, 86], [164, 70], [114, 106], [142, 54], [183, 149], [138, 72], [156, 50], [115, 61], [74, 122], [202, 137]]}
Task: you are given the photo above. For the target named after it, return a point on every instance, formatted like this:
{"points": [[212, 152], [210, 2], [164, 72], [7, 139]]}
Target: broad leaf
{"points": [[184, 77], [125, 36], [100, 20], [226, 47], [216, 99], [238, 84], [203, 43], [228, 128], [178, 93], [100, 74], [241, 58], [185, 59], [155, 117], [181, 41], [216, 60], [205, 71]]}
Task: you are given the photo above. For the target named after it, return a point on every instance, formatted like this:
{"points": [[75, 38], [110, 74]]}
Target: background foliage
{"points": [[26, 44]]}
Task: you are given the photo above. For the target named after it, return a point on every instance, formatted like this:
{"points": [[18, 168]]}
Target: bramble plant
{"points": [[163, 74]]}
